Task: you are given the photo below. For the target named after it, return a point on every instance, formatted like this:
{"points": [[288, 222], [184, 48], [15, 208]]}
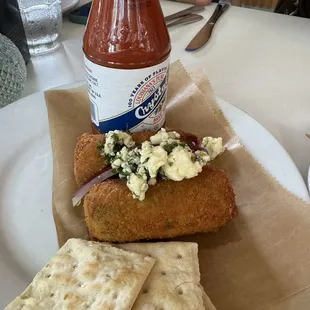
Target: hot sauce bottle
{"points": [[126, 51]]}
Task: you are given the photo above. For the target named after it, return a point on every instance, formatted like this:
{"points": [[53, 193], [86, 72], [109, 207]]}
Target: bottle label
{"points": [[128, 100]]}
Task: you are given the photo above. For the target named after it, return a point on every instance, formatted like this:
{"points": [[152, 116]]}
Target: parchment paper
{"points": [[261, 259]]}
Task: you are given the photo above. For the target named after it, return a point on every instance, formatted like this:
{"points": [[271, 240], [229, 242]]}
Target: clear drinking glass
{"points": [[42, 20]]}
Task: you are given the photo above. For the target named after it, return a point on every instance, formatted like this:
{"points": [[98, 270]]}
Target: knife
{"points": [[185, 1], [203, 36], [192, 9], [190, 1], [191, 18]]}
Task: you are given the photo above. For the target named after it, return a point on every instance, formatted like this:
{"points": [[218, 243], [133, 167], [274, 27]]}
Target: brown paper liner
{"points": [[261, 259]]}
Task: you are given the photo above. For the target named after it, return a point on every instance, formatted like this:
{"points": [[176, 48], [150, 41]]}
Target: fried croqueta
{"points": [[170, 209], [88, 162], [200, 204]]}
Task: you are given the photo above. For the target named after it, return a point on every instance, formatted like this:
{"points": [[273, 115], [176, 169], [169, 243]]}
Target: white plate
{"points": [[27, 232], [66, 5]]}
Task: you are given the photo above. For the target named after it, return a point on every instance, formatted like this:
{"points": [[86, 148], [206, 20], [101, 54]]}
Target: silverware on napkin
{"points": [[191, 18], [190, 10], [203, 36]]}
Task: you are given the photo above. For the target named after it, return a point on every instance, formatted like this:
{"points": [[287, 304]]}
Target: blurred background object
{"points": [[13, 72], [11, 25], [299, 8], [42, 20], [267, 4], [67, 5], [294, 7]]}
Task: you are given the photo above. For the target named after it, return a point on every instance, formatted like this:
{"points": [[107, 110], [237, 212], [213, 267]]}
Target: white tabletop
{"points": [[256, 60]]}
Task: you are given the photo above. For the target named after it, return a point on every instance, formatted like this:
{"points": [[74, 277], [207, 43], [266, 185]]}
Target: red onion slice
{"points": [[81, 192], [195, 147]]}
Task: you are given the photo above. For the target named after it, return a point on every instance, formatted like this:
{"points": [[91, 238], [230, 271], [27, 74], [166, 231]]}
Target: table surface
{"points": [[257, 61]]}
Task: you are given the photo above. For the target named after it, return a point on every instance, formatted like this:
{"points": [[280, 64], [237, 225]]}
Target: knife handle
{"points": [[185, 1], [191, 1], [220, 9], [192, 9], [205, 32], [191, 18]]}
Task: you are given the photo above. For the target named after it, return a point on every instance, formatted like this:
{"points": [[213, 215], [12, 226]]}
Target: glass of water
{"points": [[42, 20]]}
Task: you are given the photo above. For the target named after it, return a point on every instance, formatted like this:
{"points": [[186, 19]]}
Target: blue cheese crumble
{"points": [[164, 137], [181, 165], [138, 185], [214, 146], [115, 138], [152, 158], [163, 155]]}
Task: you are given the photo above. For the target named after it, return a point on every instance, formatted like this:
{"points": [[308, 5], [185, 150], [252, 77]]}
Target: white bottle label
{"points": [[128, 100]]}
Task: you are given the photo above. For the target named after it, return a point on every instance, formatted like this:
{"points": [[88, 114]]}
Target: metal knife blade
{"points": [[191, 18], [192, 9], [203, 36]]}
